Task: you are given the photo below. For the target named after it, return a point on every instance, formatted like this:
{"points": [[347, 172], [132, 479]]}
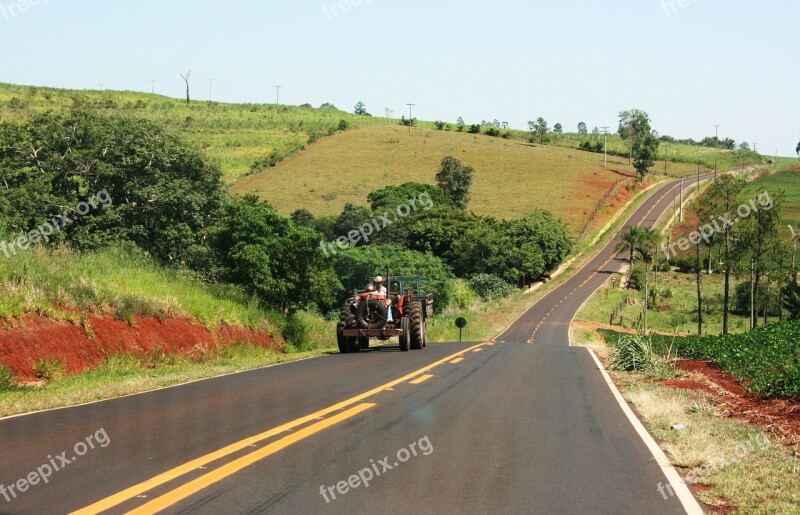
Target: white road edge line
{"points": [[680, 488]]}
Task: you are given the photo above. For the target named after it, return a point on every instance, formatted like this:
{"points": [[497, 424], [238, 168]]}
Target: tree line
{"points": [[169, 200]]}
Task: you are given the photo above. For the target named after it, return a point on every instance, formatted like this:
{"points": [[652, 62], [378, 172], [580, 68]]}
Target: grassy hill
{"points": [[787, 180], [512, 175], [236, 135]]}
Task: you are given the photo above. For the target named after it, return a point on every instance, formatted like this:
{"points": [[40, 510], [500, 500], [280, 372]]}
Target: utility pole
{"points": [[278, 95], [752, 292], [681, 202], [666, 152], [755, 147], [605, 145], [209, 89], [716, 147], [152, 86], [410, 119], [795, 239]]}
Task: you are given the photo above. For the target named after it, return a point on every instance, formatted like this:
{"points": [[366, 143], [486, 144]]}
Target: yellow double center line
{"points": [[194, 486]]}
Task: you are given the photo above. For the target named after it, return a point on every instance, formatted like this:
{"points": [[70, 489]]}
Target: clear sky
{"points": [[690, 64]]}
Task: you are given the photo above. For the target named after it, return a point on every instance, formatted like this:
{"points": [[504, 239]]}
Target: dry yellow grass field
{"points": [[511, 177]]}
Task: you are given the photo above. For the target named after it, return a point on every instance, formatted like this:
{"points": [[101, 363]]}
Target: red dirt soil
{"points": [[33, 338], [779, 416]]}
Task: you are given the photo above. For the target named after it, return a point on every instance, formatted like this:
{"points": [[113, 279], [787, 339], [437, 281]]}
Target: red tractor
{"points": [[402, 311]]}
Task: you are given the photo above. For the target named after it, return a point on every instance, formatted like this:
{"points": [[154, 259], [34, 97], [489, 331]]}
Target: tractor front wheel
{"points": [[417, 325], [405, 338]]}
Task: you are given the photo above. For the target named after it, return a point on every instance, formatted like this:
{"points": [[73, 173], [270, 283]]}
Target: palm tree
{"points": [[629, 240], [641, 241]]}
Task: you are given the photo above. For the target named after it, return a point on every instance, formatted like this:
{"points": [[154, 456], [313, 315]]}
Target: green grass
{"points": [[235, 135], [677, 313], [787, 180], [49, 282], [675, 153]]}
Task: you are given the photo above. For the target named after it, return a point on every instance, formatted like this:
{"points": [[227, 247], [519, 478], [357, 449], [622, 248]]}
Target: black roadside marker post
{"points": [[461, 323]]}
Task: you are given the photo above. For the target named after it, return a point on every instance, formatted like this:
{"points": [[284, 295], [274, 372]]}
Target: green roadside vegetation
{"points": [[713, 450], [735, 465]]}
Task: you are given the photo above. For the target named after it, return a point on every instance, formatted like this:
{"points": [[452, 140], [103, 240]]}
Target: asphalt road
{"points": [[523, 424]]}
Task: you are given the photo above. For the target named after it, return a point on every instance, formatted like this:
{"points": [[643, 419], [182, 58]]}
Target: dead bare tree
{"points": [[186, 79]]}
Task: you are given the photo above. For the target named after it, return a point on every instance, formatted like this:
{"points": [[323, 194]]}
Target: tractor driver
{"points": [[380, 289]]}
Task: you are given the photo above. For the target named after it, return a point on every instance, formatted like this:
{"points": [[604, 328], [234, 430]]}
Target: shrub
{"points": [[636, 278], [492, 131], [474, 129], [464, 297], [49, 369], [636, 353], [7, 381], [343, 125], [490, 286], [294, 332]]}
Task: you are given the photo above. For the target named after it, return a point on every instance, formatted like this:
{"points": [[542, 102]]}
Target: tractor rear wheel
{"points": [[417, 325], [341, 340], [363, 342], [346, 315], [405, 338]]}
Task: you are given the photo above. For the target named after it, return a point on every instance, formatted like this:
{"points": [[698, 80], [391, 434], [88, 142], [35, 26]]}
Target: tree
{"points": [[722, 196], [595, 131], [361, 109], [791, 299], [539, 128], [634, 127], [797, 149], [162, 194], [392, 196], [629, 240], [631, 126], [270, 256], [186, 79], [558, 129], [645, 151], [746, 146], [758, 237], [455, 180], [582, 128]]}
